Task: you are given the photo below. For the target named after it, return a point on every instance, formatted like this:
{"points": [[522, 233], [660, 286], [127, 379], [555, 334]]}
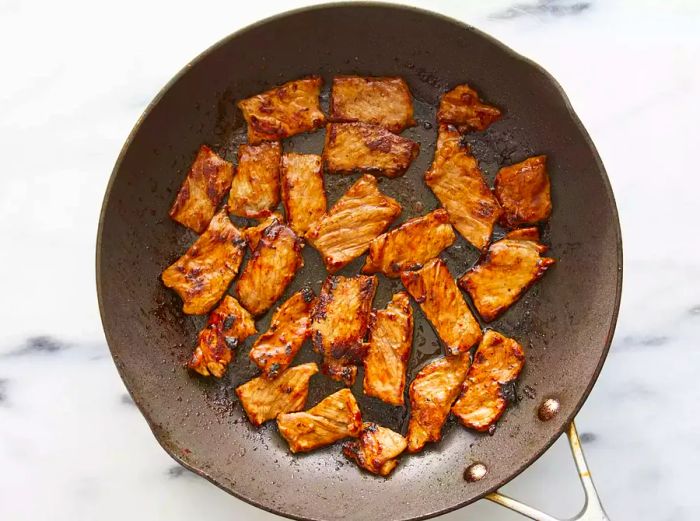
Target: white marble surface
{"points": [[76, 76]]}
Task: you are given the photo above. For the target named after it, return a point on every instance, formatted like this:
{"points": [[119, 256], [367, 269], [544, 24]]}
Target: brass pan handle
{"points": [[592, 508]]}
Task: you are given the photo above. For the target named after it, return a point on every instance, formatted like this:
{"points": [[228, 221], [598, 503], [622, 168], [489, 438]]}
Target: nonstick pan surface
{"points": [[565, 322]]}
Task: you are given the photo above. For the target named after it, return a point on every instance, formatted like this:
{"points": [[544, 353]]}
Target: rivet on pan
{"points": [[475, 472], [548, 409]]}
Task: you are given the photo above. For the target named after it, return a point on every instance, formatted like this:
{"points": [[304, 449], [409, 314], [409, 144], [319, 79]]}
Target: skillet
{"points": [[565, 323]]}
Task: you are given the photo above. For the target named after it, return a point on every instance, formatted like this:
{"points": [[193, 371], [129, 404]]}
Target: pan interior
{"points": [[564, 323]]}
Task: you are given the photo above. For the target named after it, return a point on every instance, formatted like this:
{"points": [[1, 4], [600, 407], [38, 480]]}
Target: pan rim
{"points": [[162, 439]]}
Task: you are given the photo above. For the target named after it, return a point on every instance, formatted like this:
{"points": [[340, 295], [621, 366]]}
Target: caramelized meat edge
{"points": [[254, 233], [524, 234]]}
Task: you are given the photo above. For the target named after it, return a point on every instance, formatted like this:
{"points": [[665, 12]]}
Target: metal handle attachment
{"points": [[592, 508]]}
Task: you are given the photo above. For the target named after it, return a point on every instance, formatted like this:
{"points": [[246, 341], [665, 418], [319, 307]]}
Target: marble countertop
{"points": [[77, 75]]}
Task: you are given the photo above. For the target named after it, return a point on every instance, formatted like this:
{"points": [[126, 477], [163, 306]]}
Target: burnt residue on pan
{"points": [[564, 323]]}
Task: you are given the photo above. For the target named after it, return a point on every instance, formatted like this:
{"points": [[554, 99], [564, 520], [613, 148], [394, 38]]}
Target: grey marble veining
{"points": [[541, 9], [77, 75]]}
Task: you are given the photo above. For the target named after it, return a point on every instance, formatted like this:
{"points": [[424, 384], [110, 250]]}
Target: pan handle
{"points": [[592, 508]]}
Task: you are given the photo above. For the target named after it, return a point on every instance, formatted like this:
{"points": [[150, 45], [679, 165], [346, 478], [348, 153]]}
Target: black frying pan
{"points": [[565, 323]]}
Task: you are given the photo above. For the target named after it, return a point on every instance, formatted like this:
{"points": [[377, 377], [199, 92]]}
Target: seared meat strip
{"points": [[386, 102], [509, 268], [272, 267], [457, 182], [264, 399], [410, 245], [255, 190], [253, 234], [202, 190], [202, 275], [232, 320], [275, 349], [443, 304], [333, 418], [360, 215], [376, 449], [339, 323], [524, 193], [524, 234], [303, 193], [361, 147], [284, 111], [497, 362], [432, 392], [228, 325], [390, 341], [463, 108]]}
